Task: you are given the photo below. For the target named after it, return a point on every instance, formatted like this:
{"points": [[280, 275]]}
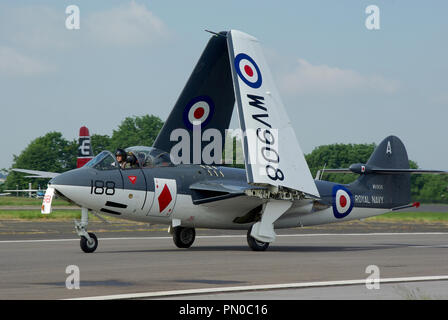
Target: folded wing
{"points": [[272, 153]]}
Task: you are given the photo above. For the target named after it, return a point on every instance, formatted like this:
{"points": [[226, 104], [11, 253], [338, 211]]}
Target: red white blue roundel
{"points": [[198, 111], [248, 70], [342, 202]]}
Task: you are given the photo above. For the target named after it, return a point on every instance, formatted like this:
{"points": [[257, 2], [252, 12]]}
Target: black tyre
{"points": [[184, 237], [87, 246], [254, 244]]}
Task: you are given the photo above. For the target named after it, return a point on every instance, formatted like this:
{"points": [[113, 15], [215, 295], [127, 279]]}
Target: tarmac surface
{"points": [[138, 258], [418, 290]]}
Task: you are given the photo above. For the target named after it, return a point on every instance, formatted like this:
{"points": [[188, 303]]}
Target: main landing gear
{"points": [[261, 233], [89, 241], [255, 244], [183, 237]]}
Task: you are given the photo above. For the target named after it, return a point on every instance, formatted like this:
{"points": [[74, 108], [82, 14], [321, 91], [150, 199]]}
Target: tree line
{"points": [[52, 152]]}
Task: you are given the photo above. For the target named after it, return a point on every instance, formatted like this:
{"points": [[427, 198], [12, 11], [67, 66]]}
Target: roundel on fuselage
{"points": [[198, 111], [248, 70], [342, 202]]}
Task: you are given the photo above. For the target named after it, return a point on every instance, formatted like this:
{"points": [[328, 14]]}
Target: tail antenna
{"points": [[320, 173], [215, 33]]}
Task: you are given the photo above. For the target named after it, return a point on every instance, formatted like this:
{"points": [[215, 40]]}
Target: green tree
{"points": [[338, 156], [100, 143], [135, 131], [429, 188], [50, 152], [233, 145]]}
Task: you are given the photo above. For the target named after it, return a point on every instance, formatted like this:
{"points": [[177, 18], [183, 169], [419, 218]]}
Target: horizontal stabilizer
{"points": [[415, 171], [370, 170], [342, 170]]}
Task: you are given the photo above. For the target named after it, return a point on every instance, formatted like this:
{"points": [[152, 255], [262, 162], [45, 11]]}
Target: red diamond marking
{"points": [[133, 179], [164, 198]]}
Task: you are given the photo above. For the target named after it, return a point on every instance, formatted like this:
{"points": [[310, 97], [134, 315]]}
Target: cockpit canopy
{"points": [[147, 157], [103, 161]]}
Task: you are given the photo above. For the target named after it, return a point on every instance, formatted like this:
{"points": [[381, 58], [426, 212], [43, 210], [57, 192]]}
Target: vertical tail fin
{"points": [[390, 154], [85, 153], [388, 190]]}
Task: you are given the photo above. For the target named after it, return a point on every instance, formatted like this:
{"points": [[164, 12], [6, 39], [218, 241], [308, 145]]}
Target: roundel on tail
{"points": [[342, 202], [248, 70], [198, 110]]}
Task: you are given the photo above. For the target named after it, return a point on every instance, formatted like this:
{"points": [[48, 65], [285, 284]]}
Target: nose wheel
{"points": [[87, 245], [89, 242]]}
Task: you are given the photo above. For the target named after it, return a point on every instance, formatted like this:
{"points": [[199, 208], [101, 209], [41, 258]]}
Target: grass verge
{"points": [[56, 215], [21, 201], [425, 217]]}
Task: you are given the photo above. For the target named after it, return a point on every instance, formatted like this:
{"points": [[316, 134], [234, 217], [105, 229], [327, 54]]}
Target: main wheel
{"points": [[254, 244], [184, 237], [87, 246]]}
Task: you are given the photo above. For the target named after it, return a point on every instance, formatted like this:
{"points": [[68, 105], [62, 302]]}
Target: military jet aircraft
{"points": [[274, 190]]}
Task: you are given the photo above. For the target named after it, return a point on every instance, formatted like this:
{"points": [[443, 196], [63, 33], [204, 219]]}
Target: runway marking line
{"points": [[299, 285], [237, 236]]}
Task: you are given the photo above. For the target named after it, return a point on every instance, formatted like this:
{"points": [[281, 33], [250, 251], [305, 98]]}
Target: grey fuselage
{"points": [[204, 196]]}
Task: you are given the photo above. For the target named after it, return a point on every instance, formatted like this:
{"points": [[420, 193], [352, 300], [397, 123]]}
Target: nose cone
{"points": [[76, 177], [74, 185]]}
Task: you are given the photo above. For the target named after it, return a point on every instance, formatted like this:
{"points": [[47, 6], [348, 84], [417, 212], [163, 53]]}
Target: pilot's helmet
{"points": [[121, 152]]}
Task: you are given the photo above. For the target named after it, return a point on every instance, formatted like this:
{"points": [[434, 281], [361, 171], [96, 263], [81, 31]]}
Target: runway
{"points": [[34, 267]]}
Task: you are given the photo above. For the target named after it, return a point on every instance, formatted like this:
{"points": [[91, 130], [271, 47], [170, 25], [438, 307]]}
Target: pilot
{"points": [[121, 157], [131, 161]]}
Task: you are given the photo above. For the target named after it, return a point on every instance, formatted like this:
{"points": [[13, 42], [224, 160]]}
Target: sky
{"points": [[340, 82]]}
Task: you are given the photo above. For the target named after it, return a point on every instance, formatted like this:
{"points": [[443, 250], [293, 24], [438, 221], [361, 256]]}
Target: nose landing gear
{"points": [[87, 245], [89, 241]]}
